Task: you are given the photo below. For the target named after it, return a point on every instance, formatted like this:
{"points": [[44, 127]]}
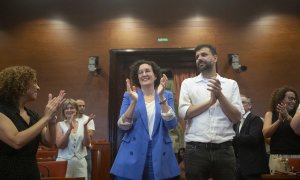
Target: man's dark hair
{"points": [[210, 47]]}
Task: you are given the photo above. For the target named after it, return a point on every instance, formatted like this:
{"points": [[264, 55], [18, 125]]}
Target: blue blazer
{"points": [[131, 157]]}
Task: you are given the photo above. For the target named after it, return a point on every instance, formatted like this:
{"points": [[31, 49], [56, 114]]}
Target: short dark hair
{"points": [[209, 46], [134, 68]]}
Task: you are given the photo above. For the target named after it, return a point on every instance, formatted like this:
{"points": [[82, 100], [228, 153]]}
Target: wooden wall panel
{"points": [[56, 37], [101, 160]]}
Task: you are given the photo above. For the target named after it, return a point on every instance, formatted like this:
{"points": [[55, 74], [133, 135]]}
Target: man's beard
{"points": [[206, 67]]}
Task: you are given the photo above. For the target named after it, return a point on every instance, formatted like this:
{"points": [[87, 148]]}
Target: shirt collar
{"points": [[200, 78], [246, 114], [67, 120]]}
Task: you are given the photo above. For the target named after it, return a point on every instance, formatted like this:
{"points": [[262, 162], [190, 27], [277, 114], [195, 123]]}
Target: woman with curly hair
{"points": [[21, 130], [146, 116], [284, 142]]}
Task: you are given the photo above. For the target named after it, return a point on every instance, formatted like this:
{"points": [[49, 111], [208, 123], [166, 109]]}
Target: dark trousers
{"points": [[205, 161], [240, 176], [249, 177]]}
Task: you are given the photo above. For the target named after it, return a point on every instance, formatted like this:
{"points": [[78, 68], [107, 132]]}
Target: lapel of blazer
{"points": [[142, 109], [157, 114], [235, 128], [246, 122]]}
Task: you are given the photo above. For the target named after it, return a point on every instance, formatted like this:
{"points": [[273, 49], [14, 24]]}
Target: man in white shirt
{"points": [[91, 130], [210, 104]]}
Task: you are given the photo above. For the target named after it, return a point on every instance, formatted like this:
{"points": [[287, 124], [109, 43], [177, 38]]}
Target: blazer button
{"points": [[164, 153], [133, 138], [131, 153]]}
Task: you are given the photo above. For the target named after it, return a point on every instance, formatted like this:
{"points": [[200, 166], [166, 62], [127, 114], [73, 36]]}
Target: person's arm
{"points": [[128, 105], [128, 115], [186, 109], [91, 129], [62, 139], [163, 101], [232, 112], [195, 110], [49, 134], [270, 128], [169, 117], [295, 122], [87, 137], [10, 134]]}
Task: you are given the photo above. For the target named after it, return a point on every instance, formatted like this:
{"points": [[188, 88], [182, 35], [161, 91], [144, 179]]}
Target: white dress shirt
{"points": [[243, 120], [212, 125]]}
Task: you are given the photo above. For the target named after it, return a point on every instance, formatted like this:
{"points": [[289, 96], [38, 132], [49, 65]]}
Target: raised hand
{"points": [[91, 116], [72, 122], [283, 113], [53, 104], [213, 98], [131, 91], [214, 86], [163, 84]]}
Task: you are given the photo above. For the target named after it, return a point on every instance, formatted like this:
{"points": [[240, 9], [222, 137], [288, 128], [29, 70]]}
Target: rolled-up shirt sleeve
{"points": [[124, 125], [184, 100], [168, 115]]}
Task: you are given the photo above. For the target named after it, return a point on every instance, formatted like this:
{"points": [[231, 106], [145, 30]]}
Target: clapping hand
{"points": [[72, 121], [53, 105], [91, 116], [131, 91], [283, 113], [163, 84], [214, 86]]}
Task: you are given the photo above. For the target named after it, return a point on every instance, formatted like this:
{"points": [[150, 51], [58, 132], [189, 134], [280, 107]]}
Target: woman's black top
{"points": [[284, 140], [19, 163]]}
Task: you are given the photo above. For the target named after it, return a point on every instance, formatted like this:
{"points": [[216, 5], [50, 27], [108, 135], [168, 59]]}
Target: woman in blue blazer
{"points": [[146, 116]]}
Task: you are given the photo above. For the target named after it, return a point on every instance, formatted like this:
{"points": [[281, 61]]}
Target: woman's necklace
{"points": [[149, 98]]}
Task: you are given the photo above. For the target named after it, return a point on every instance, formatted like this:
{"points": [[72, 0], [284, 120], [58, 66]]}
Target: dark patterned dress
{"points": [[19, 164]]}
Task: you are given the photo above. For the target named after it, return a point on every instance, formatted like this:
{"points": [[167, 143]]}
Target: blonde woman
{"points": [[72, 138]]}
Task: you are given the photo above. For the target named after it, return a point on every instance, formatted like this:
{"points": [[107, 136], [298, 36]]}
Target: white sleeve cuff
{"points": [[124, 125], [168, 115]]}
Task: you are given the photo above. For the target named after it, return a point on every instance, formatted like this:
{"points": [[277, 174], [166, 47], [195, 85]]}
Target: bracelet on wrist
{"points": [[163, 101]]}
